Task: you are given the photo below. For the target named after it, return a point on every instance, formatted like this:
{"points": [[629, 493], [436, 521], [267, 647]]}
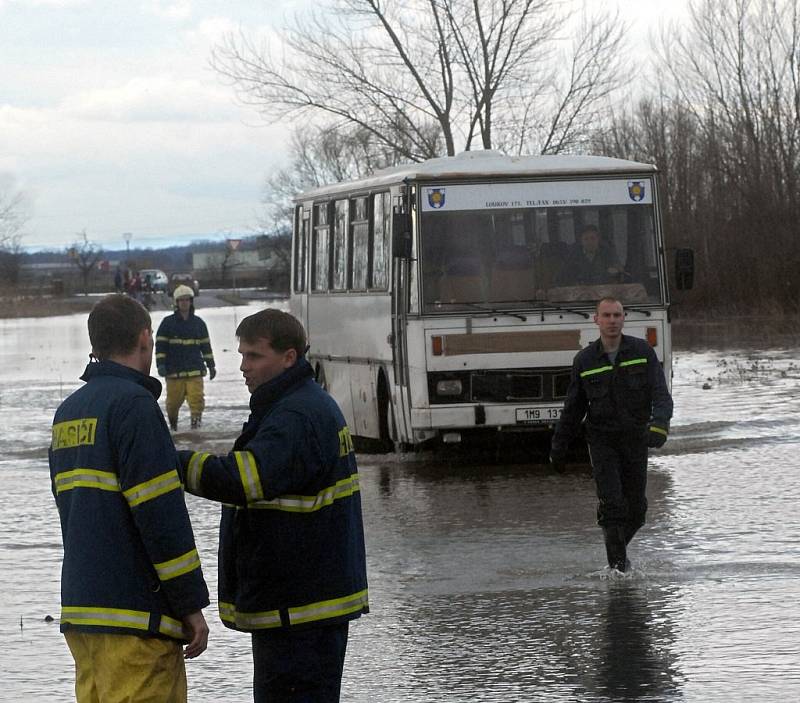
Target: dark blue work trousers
{"points": [[299, 666], [619, 467]]}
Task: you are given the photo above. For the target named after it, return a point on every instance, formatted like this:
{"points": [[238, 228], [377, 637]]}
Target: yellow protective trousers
{"points": [[127, 669], [189, 389]]}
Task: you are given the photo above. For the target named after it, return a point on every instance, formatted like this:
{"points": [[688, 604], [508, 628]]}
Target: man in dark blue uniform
{"points": [[618, 387], [292, 558], [131, 584]]}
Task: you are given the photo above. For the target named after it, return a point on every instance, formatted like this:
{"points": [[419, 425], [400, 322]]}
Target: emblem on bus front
{"points": [[636, 190], [436, 198]]}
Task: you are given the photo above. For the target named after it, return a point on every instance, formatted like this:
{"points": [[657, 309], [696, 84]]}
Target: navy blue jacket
{"points": [[623, 397], [130, 562], [291, 537], [183, 347]]}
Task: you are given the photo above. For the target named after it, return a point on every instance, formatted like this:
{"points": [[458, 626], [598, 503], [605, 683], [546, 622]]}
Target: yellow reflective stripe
{"points": [[227, 612], [86, 478], [183, 564], [187, 374], [632, 362], [327, 609], [185, 342], [248, 473], [171, 627], [162, 355], [591, 372], [345, 442], [194, 471], [257, 621], [208, 356], [74, 433], [308, 504], [653, 428], [153, 488], [105, 617]]}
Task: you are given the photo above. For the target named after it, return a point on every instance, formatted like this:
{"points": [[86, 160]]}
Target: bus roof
{"points": [[476, 164]]}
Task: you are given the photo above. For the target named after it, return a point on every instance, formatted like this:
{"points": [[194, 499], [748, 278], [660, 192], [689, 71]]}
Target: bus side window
{"points": [[381, 217], [359, 244], [300, 248], [321, 262], [340, 244]]}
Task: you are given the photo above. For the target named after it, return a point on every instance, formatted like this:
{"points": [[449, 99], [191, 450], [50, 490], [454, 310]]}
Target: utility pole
{"points": [[127, 237]]}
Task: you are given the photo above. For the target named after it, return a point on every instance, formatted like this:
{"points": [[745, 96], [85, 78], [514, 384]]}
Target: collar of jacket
{"points": [[624, 345], [267, 393], [112, 368]]}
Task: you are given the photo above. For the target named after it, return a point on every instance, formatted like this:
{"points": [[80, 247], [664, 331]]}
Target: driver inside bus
{"points": [[590, 262]]}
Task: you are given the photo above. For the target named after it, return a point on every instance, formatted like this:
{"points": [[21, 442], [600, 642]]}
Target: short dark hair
{"points": [[282, 330], [115, 324], [590, 228], [608, 299]]}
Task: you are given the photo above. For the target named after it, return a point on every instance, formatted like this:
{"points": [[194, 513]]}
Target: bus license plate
{"points": [[533, 416]]}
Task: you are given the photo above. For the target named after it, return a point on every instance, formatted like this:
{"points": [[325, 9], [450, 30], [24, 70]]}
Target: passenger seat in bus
{"points": [[551, 258], [463, 281], [513, 275]]}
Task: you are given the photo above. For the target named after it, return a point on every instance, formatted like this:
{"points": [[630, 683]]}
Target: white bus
{"points": [[448, 298]]}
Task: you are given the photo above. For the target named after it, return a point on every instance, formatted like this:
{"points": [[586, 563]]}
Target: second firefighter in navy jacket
{"points": [[291, 536]]}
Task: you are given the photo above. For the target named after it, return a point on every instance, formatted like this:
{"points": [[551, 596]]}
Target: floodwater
{"points": [[486, 580]]}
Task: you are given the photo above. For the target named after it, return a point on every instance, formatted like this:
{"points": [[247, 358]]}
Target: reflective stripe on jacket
{"points": [[291, 536], [130, 561], [619, 397], [183, 347]]}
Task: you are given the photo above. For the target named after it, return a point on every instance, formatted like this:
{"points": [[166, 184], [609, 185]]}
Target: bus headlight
{"points": [[448, 387]]}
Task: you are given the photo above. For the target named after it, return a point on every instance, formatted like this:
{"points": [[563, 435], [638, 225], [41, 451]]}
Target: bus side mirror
{"points": [[684, 268], [401, 235]]}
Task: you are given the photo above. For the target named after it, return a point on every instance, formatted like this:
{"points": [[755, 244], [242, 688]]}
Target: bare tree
{"points": [[427, 77], [85, 255], [13, 214], [12, 221], [725, 129]]}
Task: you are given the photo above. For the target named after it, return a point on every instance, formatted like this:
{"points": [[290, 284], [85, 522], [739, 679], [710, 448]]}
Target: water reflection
{"points": [[635, 657], [485, 575]]}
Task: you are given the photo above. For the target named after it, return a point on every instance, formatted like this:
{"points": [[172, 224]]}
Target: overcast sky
{"points": [[112, 121]]}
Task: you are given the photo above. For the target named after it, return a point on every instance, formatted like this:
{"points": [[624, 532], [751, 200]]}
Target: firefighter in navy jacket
{"points": [[292, 558], [130, 564], [183, 351], [618, 387]]}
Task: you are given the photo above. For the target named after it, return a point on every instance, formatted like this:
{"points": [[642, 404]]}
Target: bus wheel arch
{"points": [[385, 414]]}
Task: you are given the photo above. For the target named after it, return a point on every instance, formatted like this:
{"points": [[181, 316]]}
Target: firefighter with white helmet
{"points": [[183, 353]]}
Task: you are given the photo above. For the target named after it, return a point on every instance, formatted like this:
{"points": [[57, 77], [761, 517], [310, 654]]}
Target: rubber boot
{"points": [[195, 421], [173, 424], [630, 531], [615, 547]]}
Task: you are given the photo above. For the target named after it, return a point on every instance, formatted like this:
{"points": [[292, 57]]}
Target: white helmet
{"points": [[182, 292]]}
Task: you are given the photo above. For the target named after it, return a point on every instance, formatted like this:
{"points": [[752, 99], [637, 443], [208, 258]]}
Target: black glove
{"points": [[656, 436], [558, 460], [212, 372], [162, 370]]}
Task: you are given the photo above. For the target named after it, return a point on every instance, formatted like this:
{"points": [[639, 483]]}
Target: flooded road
{"points": [[486, 580]]}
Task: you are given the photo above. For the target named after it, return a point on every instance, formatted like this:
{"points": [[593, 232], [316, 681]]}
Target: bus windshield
{"points": [[560, 242]]}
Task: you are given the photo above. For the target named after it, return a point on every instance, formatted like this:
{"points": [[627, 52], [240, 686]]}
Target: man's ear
{"points": [[144, 340], [291, 357]]}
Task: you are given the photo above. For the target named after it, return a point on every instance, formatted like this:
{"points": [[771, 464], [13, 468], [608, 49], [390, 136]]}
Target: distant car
{"points": [[183, 279], [157, 279]]}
